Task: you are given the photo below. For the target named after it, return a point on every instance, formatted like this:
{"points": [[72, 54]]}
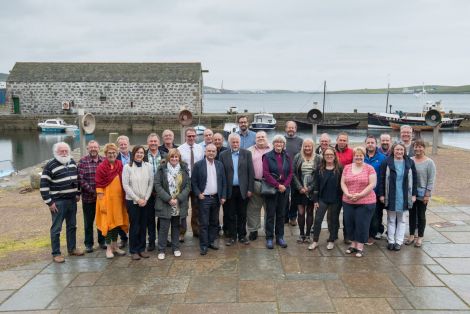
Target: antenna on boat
{"points": [[388, 93], [324, 99]]}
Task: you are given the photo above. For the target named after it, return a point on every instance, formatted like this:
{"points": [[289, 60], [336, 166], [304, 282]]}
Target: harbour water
{"points": [[28, 149], [302, 102]]}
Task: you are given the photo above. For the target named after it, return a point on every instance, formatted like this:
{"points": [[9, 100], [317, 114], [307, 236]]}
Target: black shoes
{"points": [[253, 236], [123, 244], [89, 249], [213, 246], [151, 247], [390, 246], [230, 242], [397, 247], [203, 251], [103, 246], [244, 241]]}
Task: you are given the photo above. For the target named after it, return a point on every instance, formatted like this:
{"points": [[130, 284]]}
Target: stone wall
{"points": [[120, 97]]}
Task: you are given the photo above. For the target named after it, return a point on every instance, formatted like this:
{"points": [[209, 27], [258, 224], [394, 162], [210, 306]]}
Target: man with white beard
{"points": [[59, 190]]}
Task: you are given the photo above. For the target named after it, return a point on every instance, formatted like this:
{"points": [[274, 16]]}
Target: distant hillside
{"points": [[430, 89], [213, 90], [3, 77]]}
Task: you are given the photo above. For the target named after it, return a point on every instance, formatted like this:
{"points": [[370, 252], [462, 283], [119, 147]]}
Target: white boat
{"points": [[56, 126], [232, 110], [230, 128], [200, 129], [6, 168], [263, 121]]}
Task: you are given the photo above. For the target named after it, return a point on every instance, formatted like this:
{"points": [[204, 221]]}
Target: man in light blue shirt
{"points": [[247, 137]]}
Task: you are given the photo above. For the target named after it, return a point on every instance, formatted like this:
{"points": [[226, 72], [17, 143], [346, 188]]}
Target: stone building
{"points": [[47, 88]]}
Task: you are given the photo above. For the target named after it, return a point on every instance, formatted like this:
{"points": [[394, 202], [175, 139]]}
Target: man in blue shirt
{"points": [[375, 158], [247, 137]]}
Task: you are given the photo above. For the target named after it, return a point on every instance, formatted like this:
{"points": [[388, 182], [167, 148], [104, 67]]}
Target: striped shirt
{"points": [[59, 181]]}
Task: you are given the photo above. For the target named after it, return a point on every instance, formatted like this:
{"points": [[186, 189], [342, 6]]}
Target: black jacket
{"points": [[199, 178], [246, 172]]}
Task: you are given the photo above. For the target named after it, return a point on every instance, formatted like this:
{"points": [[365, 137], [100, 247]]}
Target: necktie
{"points": [[192, 157]]}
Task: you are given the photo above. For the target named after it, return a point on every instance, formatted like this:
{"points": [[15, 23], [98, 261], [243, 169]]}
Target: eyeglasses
{"points": [[190, 135]]}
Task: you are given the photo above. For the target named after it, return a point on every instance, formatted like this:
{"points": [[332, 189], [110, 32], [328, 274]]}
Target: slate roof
{"points": [[105, 72]]}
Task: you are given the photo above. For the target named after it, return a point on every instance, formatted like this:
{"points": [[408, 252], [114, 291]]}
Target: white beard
{"points": [[63, 160]]}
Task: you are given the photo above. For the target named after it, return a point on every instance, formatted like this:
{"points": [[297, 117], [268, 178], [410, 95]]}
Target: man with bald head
{"points": [[238, 166], [59, 190], [86, 173], [293, 147]]}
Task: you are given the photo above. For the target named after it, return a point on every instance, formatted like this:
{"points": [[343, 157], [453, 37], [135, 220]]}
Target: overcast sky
{"points": [[253, 44]]}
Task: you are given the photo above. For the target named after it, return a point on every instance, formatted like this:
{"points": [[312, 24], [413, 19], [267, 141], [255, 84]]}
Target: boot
{"points": [[117, 250]]}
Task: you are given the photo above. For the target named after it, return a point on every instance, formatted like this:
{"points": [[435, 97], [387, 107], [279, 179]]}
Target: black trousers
{"points": [[274, 214], [332, 220], [357, 218], [376, 221], [138, 223], [151, 222], [418, 213], [89, 211], [208, 221], [235, 210]]}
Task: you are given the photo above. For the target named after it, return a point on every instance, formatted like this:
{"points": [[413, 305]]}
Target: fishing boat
{"points": [[324, 123], [232, 110], [263, 121], [389, 120], [56, 126], [230, 128]]}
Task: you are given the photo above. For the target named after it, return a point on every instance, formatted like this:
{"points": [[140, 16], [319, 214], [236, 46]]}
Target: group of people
{"points": [[126, 192]]}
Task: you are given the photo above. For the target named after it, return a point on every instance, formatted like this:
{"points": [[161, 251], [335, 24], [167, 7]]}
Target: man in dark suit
{"points": [[238, 166], [209, 185]]}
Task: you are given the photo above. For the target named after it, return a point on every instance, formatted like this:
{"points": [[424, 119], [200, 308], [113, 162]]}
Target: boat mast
{"points": [[388, 93], [324, 97]]}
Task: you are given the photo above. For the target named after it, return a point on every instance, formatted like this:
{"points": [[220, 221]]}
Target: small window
{"points": [[102, 98]]}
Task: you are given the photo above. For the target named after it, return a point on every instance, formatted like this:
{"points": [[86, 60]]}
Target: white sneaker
{"points": [[330, 245], [177, 253], [119, 252], [161, 256], [313, 246]]}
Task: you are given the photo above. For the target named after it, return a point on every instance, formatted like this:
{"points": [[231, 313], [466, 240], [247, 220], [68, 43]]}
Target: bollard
{"points": [[113, 137]]}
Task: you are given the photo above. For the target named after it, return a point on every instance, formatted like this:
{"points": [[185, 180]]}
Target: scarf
{"points": [[174, 184], [105, 174]]}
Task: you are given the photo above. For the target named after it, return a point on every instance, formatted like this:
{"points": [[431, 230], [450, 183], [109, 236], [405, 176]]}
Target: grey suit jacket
{"points": [[246, 172]]}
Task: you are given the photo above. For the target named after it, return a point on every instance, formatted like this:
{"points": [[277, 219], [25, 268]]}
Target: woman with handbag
{"points": [[277, 174], [305, 164]]}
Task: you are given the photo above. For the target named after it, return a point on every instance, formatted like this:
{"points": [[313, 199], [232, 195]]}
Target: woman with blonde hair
{"points": [[111, 214], [305, 164], [172, 184], [357, 182]]}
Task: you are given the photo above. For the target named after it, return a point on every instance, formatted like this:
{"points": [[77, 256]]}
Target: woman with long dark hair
{"points": [[327, 197], [137, 181]]}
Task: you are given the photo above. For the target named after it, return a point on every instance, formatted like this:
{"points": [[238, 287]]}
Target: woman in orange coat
{"points": [[111, 214]]}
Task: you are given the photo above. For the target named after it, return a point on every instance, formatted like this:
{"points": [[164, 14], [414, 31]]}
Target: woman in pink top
{"points": [[358, 182]]}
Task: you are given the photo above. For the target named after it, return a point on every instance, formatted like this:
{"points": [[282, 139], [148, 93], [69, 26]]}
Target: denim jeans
{"points": [[208, 221], [89, 211], [138, 223], [66, 210]]}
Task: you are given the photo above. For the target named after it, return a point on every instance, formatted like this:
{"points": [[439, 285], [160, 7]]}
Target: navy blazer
{"points": [[199, 178], [246, 172]]}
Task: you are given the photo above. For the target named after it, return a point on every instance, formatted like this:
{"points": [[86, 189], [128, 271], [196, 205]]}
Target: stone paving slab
{"points": [[252, 279]]}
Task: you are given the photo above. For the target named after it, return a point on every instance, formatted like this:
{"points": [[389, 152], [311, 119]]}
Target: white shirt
{"points": [[185, 151], [211, 183]]}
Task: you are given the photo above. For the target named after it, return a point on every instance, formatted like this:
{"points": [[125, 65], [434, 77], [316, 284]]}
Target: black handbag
{"points": [[267, 189]]}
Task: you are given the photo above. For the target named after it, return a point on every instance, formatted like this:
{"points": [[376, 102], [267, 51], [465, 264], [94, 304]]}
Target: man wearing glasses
{"points": [[190, 154]]}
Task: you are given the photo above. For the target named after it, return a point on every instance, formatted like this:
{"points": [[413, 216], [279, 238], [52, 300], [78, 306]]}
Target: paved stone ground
{"points": [[252, 279]]}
